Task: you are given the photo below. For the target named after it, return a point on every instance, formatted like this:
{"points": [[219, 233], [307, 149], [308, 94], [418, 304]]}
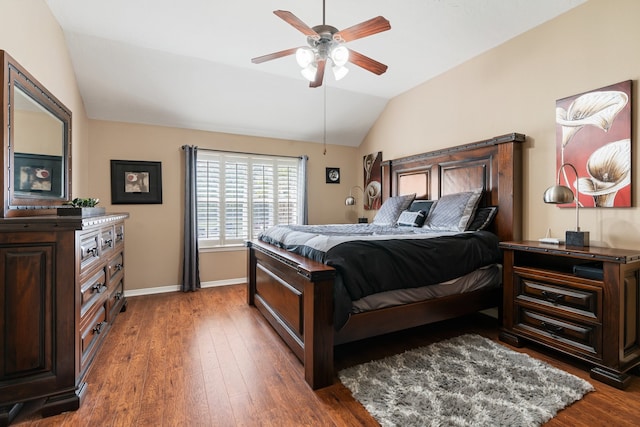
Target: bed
{"points": [[295, 294]]}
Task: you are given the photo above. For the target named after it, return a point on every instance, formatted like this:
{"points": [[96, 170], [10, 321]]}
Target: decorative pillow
{"points": [[453, 211], [421, 205], [483, 218], [392, 208], [411, 219]]}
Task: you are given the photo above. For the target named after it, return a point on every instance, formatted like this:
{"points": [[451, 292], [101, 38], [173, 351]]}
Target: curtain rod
{"points": [[244, 152]]}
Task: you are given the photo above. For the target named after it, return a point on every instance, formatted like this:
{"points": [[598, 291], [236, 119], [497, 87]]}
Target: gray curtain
{"points": [[191, 259], [303, 185]]}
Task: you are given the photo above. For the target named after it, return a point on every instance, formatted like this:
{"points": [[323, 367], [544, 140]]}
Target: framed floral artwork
{"points": [[372, 180], [593, 133]]}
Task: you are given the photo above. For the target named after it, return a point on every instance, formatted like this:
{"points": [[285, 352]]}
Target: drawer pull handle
{"points": [[119, 267], [117, 296], [550, 327], [93, 252], [109, 243], [98, 327], [552, 297], [98, 287], [119, 236]]}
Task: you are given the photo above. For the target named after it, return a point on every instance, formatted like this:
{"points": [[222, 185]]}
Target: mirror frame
{"points": [[15, 204]]}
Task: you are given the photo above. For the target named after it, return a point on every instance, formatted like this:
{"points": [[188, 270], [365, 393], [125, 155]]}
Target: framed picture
{"points": [[38, 174], [593, 133], [136, 182], [372, 180], [332, 175]]}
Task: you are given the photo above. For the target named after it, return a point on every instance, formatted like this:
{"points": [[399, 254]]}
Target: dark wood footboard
{"points": [[295, 295]]}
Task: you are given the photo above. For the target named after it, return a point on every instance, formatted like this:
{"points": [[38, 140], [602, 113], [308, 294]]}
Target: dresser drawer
{"points": [[115, 267], [118, 231], [583, 338], [88, 250], [107, 240], [91, 332], [92, 290], [116, 300], [559, 292]]}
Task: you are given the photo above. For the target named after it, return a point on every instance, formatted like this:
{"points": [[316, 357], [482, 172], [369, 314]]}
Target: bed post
{"points": [[318, 333], [251, 275], [509, 225]]}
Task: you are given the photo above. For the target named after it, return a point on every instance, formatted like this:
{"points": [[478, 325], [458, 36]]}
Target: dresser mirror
{"points": [[36, 145]]}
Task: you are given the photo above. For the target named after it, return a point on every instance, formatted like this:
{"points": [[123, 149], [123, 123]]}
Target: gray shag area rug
{"points": [[464, 381]]}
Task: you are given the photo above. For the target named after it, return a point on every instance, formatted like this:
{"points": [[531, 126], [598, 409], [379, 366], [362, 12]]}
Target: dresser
{"points": [[61, 288], [584, 302]]}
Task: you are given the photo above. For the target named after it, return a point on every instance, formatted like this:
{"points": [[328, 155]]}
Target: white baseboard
{"points": [[176, 288]]}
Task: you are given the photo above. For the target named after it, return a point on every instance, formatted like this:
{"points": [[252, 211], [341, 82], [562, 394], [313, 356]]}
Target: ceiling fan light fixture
{"points": [[339, 72], [326, 44], [339, 55], [309, 72], [305, 56]]}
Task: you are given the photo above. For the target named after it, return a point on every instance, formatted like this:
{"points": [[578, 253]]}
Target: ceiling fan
{"points": [[327, 43]]}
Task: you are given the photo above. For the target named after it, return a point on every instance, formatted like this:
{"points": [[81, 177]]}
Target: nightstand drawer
{"points": [[585, 338], [559, 293]]}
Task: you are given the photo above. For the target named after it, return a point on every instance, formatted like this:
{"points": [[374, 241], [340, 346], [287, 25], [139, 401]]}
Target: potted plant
{"points": [[81, 207]]}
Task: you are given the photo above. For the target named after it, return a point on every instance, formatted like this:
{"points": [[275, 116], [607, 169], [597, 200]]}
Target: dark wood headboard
{"points": [[495, 165]]}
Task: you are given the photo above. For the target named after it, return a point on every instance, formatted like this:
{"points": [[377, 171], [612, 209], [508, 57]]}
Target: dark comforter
{"points": [[369, 260]]}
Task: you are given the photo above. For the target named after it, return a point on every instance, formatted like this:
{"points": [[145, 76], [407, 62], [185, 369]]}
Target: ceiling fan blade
{"points": [[363, 29], [274, 55], [367, 63], [319, 74], [297, 23]]}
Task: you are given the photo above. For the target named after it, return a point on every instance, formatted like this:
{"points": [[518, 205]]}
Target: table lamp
{"points": [[561, 194]]}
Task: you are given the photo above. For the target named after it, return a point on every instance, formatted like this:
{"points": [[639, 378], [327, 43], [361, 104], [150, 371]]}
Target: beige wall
{"points": [[513, 88], [154, 232], [510, 88], [32, 36]]}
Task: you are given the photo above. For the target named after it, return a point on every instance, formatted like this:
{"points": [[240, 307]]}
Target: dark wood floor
{"points": [[208, 359]]}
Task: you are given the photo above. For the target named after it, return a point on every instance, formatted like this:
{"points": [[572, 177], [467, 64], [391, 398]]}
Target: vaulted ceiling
{"points": [[187, 63]]}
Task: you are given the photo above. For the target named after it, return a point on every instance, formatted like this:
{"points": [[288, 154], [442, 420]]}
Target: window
{"points": [[239, 195]]}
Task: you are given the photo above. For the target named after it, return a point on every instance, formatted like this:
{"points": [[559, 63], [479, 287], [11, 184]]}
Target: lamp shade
{"points": [[558, 194], [339, 55], [561, 194], [304, 56], [309, 72]]}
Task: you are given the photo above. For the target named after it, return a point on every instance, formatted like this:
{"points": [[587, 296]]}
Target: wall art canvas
{"points": [[373, 181], [593, 133]]}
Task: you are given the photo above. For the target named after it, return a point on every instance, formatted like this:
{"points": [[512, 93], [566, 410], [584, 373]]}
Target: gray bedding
{"points": [[370, 259]]}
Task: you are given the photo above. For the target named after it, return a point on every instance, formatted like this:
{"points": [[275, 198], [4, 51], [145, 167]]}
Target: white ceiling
{"points": [[187, 63]]}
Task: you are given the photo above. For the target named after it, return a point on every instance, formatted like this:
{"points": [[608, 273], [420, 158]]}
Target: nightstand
{"points": [[583, 302]]}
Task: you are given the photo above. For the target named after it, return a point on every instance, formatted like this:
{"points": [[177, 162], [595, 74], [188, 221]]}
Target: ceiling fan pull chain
{"points": [[324, 133]]}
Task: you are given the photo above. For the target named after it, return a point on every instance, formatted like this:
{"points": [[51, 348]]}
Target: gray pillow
{"points": [[392, 208], [453, 212]]}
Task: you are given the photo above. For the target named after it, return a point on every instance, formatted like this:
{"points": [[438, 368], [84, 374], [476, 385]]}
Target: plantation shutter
{"points": [[240, 195]]}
